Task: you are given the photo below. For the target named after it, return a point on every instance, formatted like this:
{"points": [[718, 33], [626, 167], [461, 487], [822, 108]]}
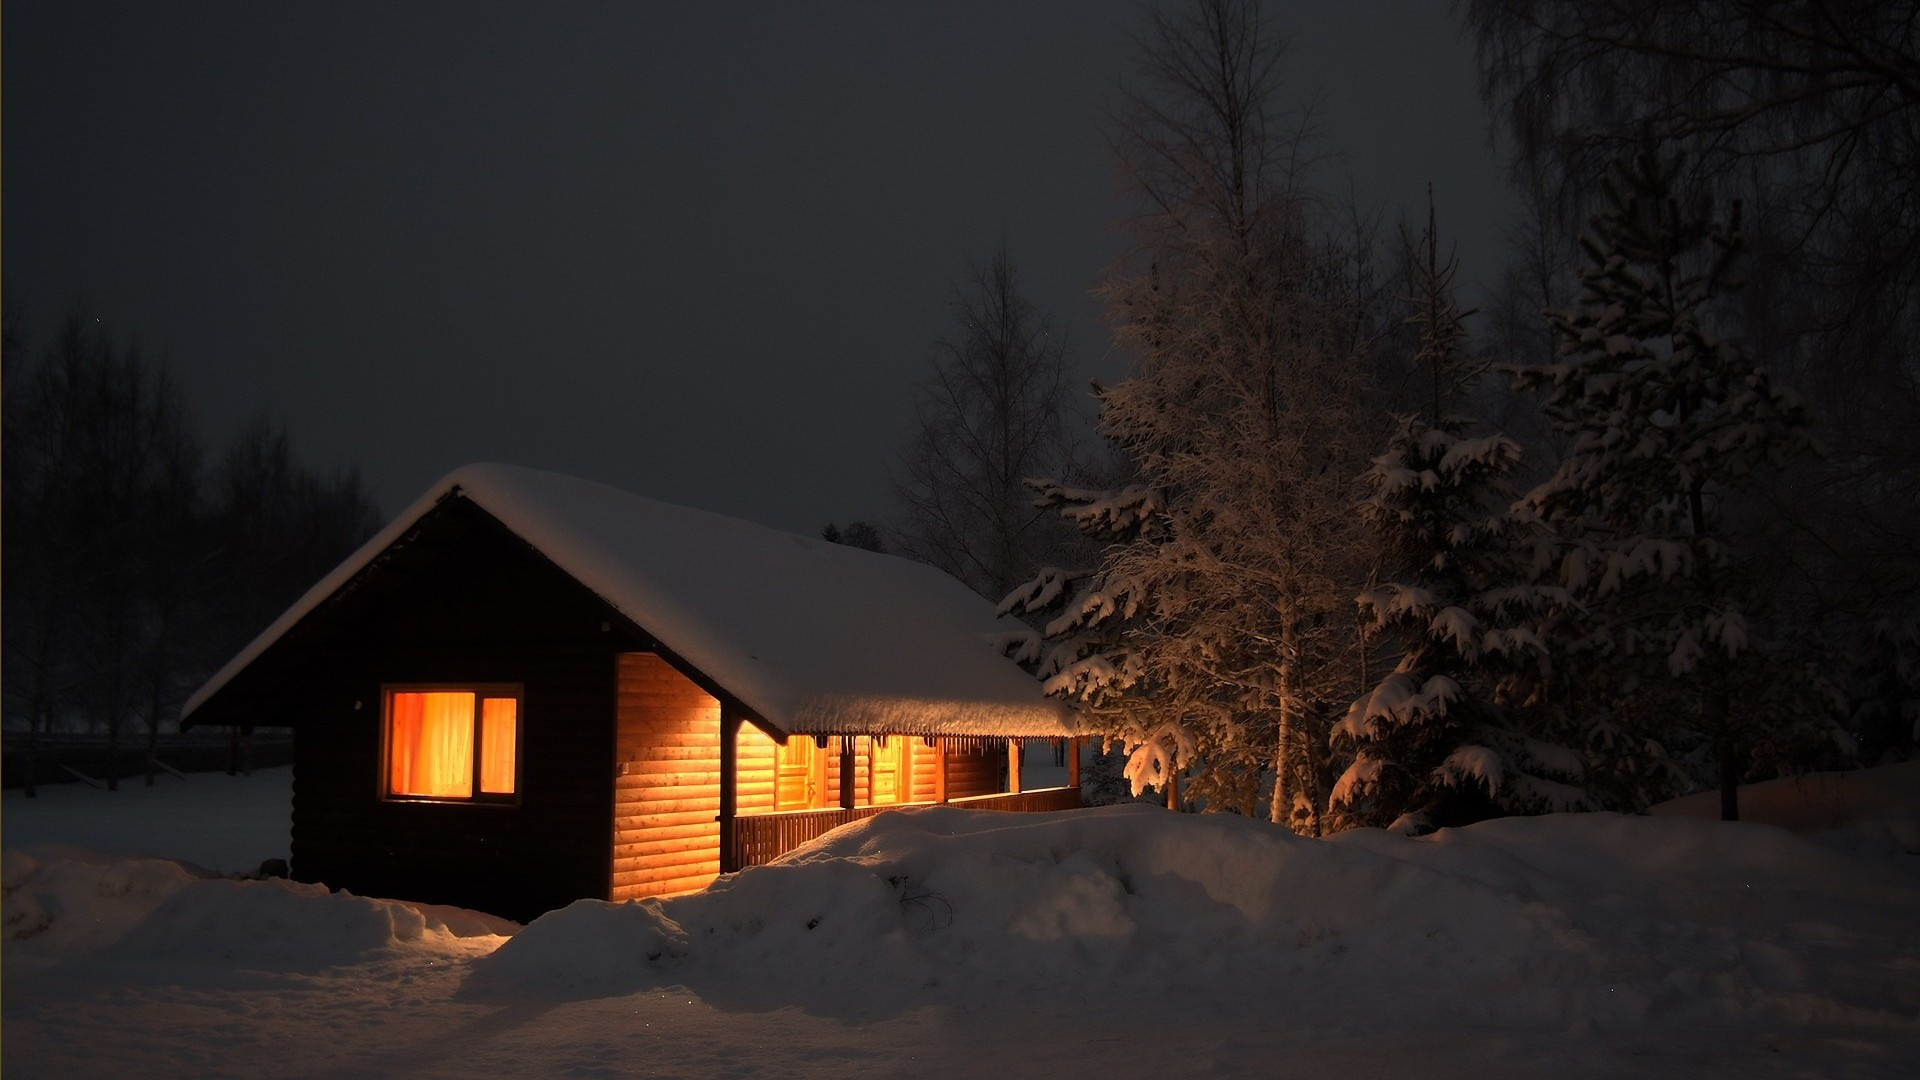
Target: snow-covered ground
{"points": [[946, 943]]}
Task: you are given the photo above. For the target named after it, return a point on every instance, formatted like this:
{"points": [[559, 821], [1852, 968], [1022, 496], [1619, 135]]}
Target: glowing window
{"points": [[453, 742]]}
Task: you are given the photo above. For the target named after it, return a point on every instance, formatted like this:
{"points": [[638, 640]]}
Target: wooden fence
{"points": [[762, 838]]}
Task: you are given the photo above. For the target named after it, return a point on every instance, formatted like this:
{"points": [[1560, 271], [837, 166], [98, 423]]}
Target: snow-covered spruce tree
{"points": [[1083, 647], [1435, 741], [1216, 635], [1664, 421], [994, 410]]}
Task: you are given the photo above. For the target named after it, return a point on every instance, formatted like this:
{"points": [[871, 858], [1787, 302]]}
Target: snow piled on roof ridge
{"points": [[810, 635]]}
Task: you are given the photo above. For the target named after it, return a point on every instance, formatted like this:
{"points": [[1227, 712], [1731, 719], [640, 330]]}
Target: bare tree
{"points": [[93, 433], [175, 567], [130, 569], [1583, 83], [993, 412], [275, 527]]}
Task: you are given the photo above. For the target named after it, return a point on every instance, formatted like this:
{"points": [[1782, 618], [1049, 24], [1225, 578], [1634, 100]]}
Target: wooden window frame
{"points": [[480, 691]]}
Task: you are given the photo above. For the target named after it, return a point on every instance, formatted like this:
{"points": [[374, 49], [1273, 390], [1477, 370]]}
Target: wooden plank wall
{"points": [[666, 786], [979, 771], [926, 762], [759, 758]]}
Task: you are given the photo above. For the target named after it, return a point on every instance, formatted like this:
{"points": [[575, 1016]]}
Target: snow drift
{"points": [[1567, 921], [947, 943], [70, 903]]}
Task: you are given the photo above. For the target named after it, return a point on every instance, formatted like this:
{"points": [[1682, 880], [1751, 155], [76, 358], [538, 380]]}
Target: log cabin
{"points": [[530, 689]]}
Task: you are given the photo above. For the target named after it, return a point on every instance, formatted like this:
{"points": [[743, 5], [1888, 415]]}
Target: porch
{"points": [[760, 838], [757, 836]]}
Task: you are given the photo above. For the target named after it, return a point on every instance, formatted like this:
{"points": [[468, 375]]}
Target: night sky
{"points": [[695, 251]]}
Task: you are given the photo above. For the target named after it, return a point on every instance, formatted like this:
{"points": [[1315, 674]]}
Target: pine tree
{"points": [[1458, 608], [1664, 422], [1089, 645]]}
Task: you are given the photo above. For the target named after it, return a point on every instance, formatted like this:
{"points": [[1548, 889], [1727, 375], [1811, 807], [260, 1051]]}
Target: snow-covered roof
{"points": [[812, 636]]}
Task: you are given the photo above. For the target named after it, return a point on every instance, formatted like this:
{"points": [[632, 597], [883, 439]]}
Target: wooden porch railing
{"points": [[761, 838]]}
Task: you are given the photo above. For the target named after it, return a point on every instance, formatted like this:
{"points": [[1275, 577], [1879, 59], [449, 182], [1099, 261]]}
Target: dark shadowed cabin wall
{"points": [[484, 609]]}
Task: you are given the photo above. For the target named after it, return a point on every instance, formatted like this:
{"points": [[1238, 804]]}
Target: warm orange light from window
{"points": [[430, 744], [499, 731]]}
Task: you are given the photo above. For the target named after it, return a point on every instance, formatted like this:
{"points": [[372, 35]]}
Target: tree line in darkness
{"points": [[1352, 555], [138, 557]]}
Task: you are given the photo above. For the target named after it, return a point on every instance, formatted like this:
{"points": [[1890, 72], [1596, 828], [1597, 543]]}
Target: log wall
{"points": [[976, 770], [666, 788], [926, 763]]}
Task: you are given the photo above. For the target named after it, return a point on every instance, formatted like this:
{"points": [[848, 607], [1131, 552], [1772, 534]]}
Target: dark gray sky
{"points": [[696, 251]]}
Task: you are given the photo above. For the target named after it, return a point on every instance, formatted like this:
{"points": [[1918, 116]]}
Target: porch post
{"points": [[940, 769], [846, 772], [1073, 761], [729, 786], [1013, 766]]}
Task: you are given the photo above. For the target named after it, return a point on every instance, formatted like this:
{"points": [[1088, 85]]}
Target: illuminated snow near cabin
{"points": [[943, 942]]}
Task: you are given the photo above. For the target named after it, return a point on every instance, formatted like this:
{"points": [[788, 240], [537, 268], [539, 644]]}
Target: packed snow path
{"points": [[941, 942]]}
